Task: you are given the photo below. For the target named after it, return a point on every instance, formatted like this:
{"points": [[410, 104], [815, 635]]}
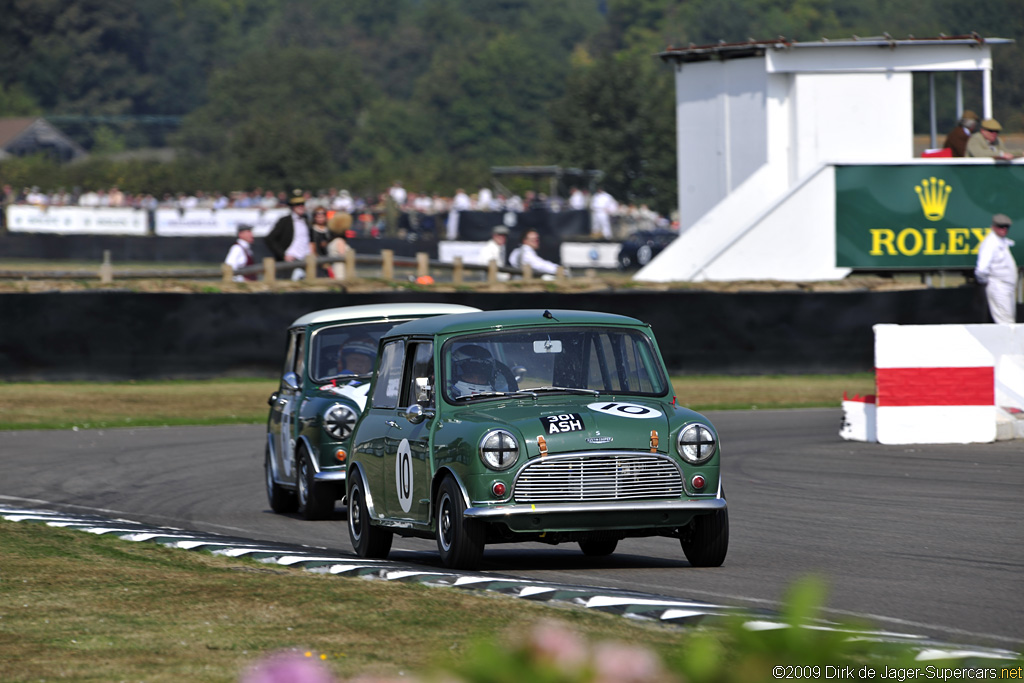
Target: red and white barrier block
{"points": [[941, 384]]}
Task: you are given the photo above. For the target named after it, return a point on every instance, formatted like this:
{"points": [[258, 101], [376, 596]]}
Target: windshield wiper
{"points": [[569, 390], [493, 394]]}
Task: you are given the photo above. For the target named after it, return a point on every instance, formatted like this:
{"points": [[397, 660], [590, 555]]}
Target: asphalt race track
{"points": [[914, 539]]}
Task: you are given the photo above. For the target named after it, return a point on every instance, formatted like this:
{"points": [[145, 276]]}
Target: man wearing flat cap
{"points": [[290, 238], [986, 142], [997, 270], [494, 249], [957, 138]]}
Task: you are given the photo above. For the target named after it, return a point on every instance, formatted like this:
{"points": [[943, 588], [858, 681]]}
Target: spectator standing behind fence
{"points": [[997, 270], [956, 141], [240, 254], [602, 206], [320, 236], [526, 254], [494, 249], [460, 202], [290, 238], [339, 225], [986, 142]]}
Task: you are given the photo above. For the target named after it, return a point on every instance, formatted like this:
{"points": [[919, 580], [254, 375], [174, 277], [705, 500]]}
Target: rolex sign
{"points": [[925, 216]]}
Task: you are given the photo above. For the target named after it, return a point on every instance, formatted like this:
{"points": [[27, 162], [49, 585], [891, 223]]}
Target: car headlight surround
{"points": [[339, 420], [499, 449], [696, 443]]}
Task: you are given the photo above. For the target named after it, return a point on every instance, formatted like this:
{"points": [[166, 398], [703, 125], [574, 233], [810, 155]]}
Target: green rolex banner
{"points": [[923, 216]]}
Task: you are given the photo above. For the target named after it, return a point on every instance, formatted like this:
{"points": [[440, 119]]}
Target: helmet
{"points": [[472, 369], [362, 347]]}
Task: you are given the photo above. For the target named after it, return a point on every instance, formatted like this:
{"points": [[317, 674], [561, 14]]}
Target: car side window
{"points": [[421, 364], [389, 376], [293, 360]]}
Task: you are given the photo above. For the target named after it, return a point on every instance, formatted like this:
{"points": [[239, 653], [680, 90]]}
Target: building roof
{"points": [[757, 48], [11, 128], [33, 134]]}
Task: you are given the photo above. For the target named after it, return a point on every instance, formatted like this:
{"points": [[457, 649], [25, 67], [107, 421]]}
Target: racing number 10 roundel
{"points": [[403, 475], [632, 410]]}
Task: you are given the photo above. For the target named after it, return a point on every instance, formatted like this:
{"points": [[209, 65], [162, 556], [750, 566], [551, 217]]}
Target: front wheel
{"points": [[460, 541], [367, 540], [315, 502], [708, 541], [281, 499]]}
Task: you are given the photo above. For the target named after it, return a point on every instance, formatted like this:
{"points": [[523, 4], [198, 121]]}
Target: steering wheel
{"points": [[507, 375]]}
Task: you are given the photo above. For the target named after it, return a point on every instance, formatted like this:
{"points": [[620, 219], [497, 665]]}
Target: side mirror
{"points": [[417, 413], [290, 381], [423, 389]]}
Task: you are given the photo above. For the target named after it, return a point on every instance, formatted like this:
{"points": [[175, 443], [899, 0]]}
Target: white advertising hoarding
{"points": [[214, 222], [71, 220]]}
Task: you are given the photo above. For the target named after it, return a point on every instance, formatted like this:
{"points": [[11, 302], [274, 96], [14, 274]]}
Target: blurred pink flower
{"points": [[287, 668]]}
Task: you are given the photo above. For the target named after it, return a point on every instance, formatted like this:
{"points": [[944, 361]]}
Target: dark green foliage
{"points": [[357, 93]]}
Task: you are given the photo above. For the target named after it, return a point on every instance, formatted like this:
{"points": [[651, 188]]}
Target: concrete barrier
{"points": [[942, 384]]}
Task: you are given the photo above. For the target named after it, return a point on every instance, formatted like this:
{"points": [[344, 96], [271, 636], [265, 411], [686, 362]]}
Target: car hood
{"points": [[354, 392], [580, 423]]}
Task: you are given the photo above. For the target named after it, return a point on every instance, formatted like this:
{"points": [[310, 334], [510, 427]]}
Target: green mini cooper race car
{"points": [[549, 426]]}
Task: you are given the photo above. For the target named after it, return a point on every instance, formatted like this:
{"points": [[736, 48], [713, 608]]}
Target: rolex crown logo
{"points": [[933, 193]]}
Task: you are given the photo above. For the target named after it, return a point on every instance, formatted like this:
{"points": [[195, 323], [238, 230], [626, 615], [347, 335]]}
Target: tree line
{"points": [[357, 93]]}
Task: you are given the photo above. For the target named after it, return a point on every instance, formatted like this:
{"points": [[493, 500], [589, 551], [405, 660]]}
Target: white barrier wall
{"points": [[945, 383], [86, 220], [70, 220], [214, 222]]}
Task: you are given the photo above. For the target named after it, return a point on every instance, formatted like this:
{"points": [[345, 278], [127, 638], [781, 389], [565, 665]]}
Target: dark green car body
{"points": [[316, 405], [573, 437]]}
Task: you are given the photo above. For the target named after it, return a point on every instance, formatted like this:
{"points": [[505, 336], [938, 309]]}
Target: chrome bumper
{"points": [[496, 512]]}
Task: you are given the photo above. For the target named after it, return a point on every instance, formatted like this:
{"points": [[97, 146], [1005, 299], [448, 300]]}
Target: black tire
{"points": [[281, 499], [460, 541], [708, 541], [625, 261], [598, 547], [367, 540], [314, 502]]}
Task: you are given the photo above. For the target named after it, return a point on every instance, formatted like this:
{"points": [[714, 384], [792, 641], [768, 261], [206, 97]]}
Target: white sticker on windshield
{"points": [[631, 410]]}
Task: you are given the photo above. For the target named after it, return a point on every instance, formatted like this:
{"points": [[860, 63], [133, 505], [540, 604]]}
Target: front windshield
{"points": [[345, 350], [552, 359]]}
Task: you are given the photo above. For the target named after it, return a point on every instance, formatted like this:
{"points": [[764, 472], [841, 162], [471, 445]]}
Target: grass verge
{"points": [[80, 607], [75, 606], [65, 405]]}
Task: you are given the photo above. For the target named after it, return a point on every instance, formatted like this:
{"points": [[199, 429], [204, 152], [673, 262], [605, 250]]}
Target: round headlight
{"points": [[499, 450], [339, 421], [696, 443]]}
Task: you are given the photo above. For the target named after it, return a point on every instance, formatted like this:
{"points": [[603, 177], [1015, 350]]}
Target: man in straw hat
{"points": [[290, 240], [997, 270], [986, 142]]}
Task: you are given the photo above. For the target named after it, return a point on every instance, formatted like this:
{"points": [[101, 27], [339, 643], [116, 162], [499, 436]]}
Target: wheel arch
{"points": [[435, 484], [303, 442], [356, 473]]}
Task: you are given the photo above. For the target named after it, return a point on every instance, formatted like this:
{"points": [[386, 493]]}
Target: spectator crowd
{"points": [[423, 213]]}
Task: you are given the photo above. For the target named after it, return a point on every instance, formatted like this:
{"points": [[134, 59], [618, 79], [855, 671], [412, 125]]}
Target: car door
{"points": [[377, 422], [289, 395], [407, 464]]}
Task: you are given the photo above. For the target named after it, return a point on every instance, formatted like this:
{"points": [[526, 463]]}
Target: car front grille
{"points": [[558, 479]]}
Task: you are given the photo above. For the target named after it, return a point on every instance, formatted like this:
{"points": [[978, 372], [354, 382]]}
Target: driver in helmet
{"points": [[472, 370], [357, 356]]}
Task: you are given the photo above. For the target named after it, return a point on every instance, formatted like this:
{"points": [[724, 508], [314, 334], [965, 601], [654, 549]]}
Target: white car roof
{"points": [[379, 312]]}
